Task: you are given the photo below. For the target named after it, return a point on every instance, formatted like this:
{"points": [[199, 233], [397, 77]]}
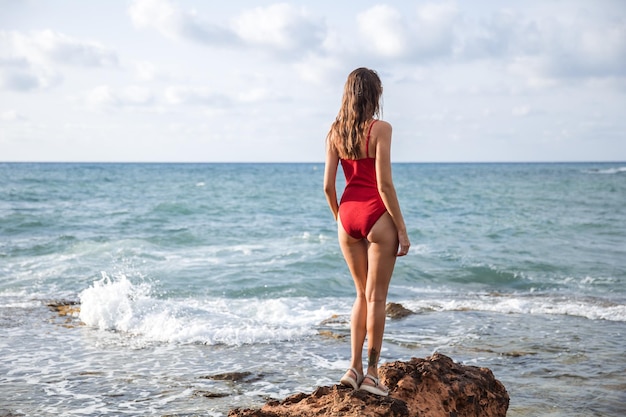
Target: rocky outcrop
{"points": [[431, 387]]}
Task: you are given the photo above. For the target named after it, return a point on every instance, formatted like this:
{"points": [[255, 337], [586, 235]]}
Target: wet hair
{"points": [[360, 103]]}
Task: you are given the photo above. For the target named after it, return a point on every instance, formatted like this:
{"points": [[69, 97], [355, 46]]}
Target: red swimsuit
{"points": [[361, 205]]}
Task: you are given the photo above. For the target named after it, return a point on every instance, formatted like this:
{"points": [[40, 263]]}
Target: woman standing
{"points": [[371, 228]]}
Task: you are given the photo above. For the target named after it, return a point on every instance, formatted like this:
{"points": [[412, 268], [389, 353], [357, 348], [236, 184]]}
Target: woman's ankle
{"points": [[358, 369]]}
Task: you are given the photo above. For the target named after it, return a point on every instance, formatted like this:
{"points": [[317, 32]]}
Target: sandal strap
{"points": [[359, 377], [373, 378]]}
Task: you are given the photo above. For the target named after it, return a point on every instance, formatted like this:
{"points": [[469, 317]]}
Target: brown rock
{"points": [[65, 307], [331, 335], [438, 387], [397, 311], [431, 387], [329, 401], [335, 319]]}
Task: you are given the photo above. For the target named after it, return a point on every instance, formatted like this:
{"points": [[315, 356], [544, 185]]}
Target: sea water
{"points": [[176, 273]]}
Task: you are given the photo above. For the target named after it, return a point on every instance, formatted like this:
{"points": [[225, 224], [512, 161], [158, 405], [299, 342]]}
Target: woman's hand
{"points": [[404, 244]]}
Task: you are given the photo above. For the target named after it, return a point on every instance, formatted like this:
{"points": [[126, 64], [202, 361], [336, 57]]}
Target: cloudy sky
{"points": [[181, 80]]}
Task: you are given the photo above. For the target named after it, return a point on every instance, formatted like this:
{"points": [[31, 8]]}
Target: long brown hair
{"points": [[360, 102]]}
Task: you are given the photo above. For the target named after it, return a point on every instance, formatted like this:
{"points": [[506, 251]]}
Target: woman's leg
{"points": [[382, 251], [355, 254]]}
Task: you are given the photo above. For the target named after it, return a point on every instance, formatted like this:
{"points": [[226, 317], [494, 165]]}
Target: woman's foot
{"points": [[372, 385], [352, 379]]}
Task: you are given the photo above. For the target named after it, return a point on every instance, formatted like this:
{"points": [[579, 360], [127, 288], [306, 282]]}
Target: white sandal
{"points": [[348, 381], [376, 388]]}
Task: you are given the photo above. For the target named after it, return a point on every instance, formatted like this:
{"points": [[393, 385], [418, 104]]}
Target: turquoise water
{"points": [[184, 271]]}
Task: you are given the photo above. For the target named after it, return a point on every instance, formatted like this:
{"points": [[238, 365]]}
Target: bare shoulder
{"points": [[381, 129]]}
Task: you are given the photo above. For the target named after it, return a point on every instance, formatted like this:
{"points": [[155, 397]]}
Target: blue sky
{"points": [[178, 80]]}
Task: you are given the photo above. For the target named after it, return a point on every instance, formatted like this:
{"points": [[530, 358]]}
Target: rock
{"points": [[331, 335], [431, 387], [329, 401], [234, 377], [335, 319], [397, 311], [65, 307], [393, 311], [437, 387], [66, 310], [209, 394]]}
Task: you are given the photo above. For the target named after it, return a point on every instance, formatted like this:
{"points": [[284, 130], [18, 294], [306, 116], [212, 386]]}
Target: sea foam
{"points": [[608, 171], [116, 304], [590, 308]]}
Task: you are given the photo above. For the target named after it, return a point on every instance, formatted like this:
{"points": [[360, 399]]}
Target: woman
{"points": [[371, 228]]}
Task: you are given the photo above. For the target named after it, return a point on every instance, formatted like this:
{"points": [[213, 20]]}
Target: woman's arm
{"points": [[330, 176], [382, 135]]}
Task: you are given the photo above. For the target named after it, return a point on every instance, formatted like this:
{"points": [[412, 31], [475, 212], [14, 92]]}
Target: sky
{"points": [[261, 81]]}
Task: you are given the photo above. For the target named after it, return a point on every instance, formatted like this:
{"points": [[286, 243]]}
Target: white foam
{"points": [[118, 304], [113, 304], [608, 171], [590, 308]]}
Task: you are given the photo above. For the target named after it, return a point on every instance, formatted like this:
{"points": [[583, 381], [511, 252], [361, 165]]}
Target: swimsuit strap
{"points": [[367, 141]]}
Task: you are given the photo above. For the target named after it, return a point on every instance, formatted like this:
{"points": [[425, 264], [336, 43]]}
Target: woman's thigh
{"points": [[355, 252], [383, 238]]}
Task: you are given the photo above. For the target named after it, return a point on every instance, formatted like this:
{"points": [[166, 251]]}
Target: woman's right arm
{"points": [[330, 176], [385, 183]]}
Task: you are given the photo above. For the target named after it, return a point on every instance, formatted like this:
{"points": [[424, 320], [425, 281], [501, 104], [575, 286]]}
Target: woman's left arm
{"points": [[330, 177]]}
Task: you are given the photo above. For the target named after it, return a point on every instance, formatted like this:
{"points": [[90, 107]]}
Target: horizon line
{"points": [[314, 162]]}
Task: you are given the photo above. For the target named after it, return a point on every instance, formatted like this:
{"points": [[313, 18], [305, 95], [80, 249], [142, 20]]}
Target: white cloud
{"points": [[18, 74], [426, 32], [158, 14], [319, 69], [282, 27], [178, 95], [541, 48], [30, 61], [520, 111], [11, 116], [533, 70], [434, 29], [24, 79], [105, 97], [383, 29], [49, 46], [548, 49], [584, 48], [171, 21], [147, 71], [253, 95]]}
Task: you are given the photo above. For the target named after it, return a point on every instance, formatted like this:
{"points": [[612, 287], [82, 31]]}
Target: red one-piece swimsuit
{"points": [[361, 205]]}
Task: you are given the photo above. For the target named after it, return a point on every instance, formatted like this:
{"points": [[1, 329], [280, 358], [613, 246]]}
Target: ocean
{"points": [[177, 277]]}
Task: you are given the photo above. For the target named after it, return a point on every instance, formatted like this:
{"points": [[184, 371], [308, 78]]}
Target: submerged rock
{"points": [[431, 387], [209, 394], [65, 307], [234, 377], [331, 335], [67, 311]]}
